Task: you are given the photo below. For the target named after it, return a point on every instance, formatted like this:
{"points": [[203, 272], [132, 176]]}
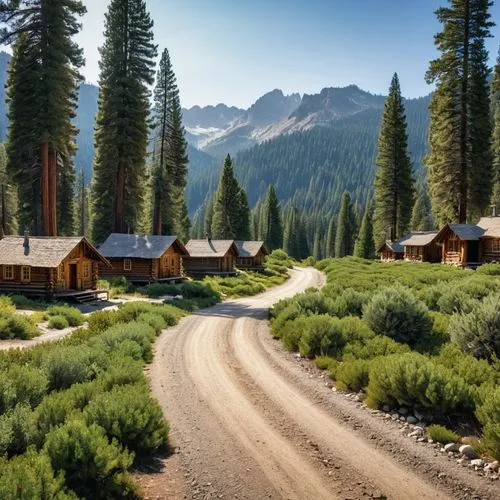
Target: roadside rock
{"points": [[468, 451], [493, 466], [386, 408], [403, 410], [452, 447], [477, 462], [411, 419]]}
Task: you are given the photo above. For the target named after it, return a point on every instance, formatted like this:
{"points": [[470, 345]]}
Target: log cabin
{"points": [[490, 241], [251, 254], [143, 258], [210, 257], [50, 267], [421, 247], [391, 250]]}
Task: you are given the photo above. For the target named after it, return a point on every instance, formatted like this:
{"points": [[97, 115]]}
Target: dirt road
{"points": [[248, 423]]}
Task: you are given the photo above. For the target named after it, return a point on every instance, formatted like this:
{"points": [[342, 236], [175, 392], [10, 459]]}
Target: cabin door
{"points": [[473, 251], [73, 277]]}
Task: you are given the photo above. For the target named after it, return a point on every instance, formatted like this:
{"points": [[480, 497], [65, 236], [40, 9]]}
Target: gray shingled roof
{"points": [[418, 239], [43, 251], [467, 232], [395, 246], [135, 246], [250, 248], [208, 248], [491, 225]]}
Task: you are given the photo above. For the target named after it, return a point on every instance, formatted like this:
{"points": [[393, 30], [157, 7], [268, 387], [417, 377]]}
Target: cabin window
{"points": [[25, 273], [495, 245], [127, 265], [86, 270], [8, 272], [453, 244]]}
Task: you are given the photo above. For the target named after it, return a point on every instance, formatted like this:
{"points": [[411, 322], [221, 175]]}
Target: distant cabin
{"points": [[210, 257], [471, 244], [391, 250], [143, 258], [251, 254], [421, 247], [51, 267]]}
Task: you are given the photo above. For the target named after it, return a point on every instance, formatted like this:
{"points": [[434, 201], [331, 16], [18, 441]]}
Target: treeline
{"points": [[141, 159]]}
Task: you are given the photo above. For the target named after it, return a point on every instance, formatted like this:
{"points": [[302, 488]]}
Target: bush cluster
{"points": [[72, 315], [19, 326]]}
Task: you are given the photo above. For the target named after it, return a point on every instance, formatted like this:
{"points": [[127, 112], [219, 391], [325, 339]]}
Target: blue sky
{"points": [[233, 51]]}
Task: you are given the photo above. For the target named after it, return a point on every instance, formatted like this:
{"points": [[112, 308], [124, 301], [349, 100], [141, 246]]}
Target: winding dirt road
{"points": [[248, 423]]}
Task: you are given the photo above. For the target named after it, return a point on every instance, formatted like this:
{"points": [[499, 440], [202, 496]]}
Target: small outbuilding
{"points": [[50, 267], [143, 258], [421, 247], [251, 254], [391, 250], [460, 244], [205, 257], [490, 240]]}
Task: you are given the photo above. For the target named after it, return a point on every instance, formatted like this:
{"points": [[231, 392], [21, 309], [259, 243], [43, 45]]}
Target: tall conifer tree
{"points": [[273, 232], [421, 216], [365, 245], [495, 149], [393, 181], [290, 233], [330, 239], [459, 161], [122, 128], [42, 90], [344, 239], [8, 198]]}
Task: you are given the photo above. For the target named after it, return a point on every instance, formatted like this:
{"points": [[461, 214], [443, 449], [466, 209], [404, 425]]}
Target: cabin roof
{"points": [[467, 232], [209, 248], [394, 246], [419, 239], [250, 248], [137, 246], [491, 225], [43, 251]]}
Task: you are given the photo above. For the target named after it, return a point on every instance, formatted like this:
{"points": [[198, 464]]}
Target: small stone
{"points": [[411, 419], [386, 408], [492, 466], [477, 462], [394, 416], [403, 410], [468, 451], [451, 454], [402, 419], [418, 415], [452, 447], [417, 432], [421, 440]]}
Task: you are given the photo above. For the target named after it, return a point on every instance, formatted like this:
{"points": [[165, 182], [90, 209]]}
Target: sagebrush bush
{"points": [[90, 462], [413, 380], [129, 414], [376, 346], [19, 326], [478, 332], [152, 319], [72, 314], [16, 430], [320, 335], [6, 305], [489, 269], [396, 312], [456, 300], [442, 434], [352, 375], [58, 322], [102, 320], [488, 414], [350, 303], [324, 362]]}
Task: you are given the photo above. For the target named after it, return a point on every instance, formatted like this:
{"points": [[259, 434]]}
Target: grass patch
{"points": [[442, 435]]}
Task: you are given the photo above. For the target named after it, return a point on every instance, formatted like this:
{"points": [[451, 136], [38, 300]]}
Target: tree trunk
{"points": [[53, 193], [44, 186], [464, 185], [119, 226]]}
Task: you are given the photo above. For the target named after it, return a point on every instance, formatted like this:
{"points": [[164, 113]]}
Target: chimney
{"points": [[209, 236], [26, 243]]}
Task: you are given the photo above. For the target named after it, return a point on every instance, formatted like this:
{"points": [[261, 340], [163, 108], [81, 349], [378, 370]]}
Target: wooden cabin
{"points": [[421, 247], [391, 250], [50, 267], [460, 244], [251, 254], [143, 258], [205, 257], [490, 240]]}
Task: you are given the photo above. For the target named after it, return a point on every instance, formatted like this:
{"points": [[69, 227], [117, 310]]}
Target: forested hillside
{"points": [[312, 169]]}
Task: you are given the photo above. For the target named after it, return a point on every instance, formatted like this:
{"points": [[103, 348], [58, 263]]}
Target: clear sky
{"points": [[234, 51]]}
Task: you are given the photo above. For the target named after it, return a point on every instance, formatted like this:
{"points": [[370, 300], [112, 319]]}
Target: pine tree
{"points": [[8, 198], [243, 220], [209, 214], [316, 247], [290, 234], [273, 231], [421, 217], [365, 245], [227, 209], [42, 90], [82, 206], [303, 248], [122, 127], [459, 161], [393, 181], [495, 148], [330, 239], [344, 239]]}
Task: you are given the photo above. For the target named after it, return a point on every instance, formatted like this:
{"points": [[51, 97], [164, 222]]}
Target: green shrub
{"points": [[130, 311], [161, 289], [154, 320], [90, 463], [489, 415], [19, 326], [16, 430], [396, 312], [412, 380], [456, 300], [102, 320], [30, 476], [352, 375], [374, 347], [121, 371], [324, 362], [23, 302], [58, 322], [478, 332], [320, 335], [489, 269], [72, 314], [442, 434], [278, 255], [21, 385], [129, 414], [6, 305], [350, 303]]}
